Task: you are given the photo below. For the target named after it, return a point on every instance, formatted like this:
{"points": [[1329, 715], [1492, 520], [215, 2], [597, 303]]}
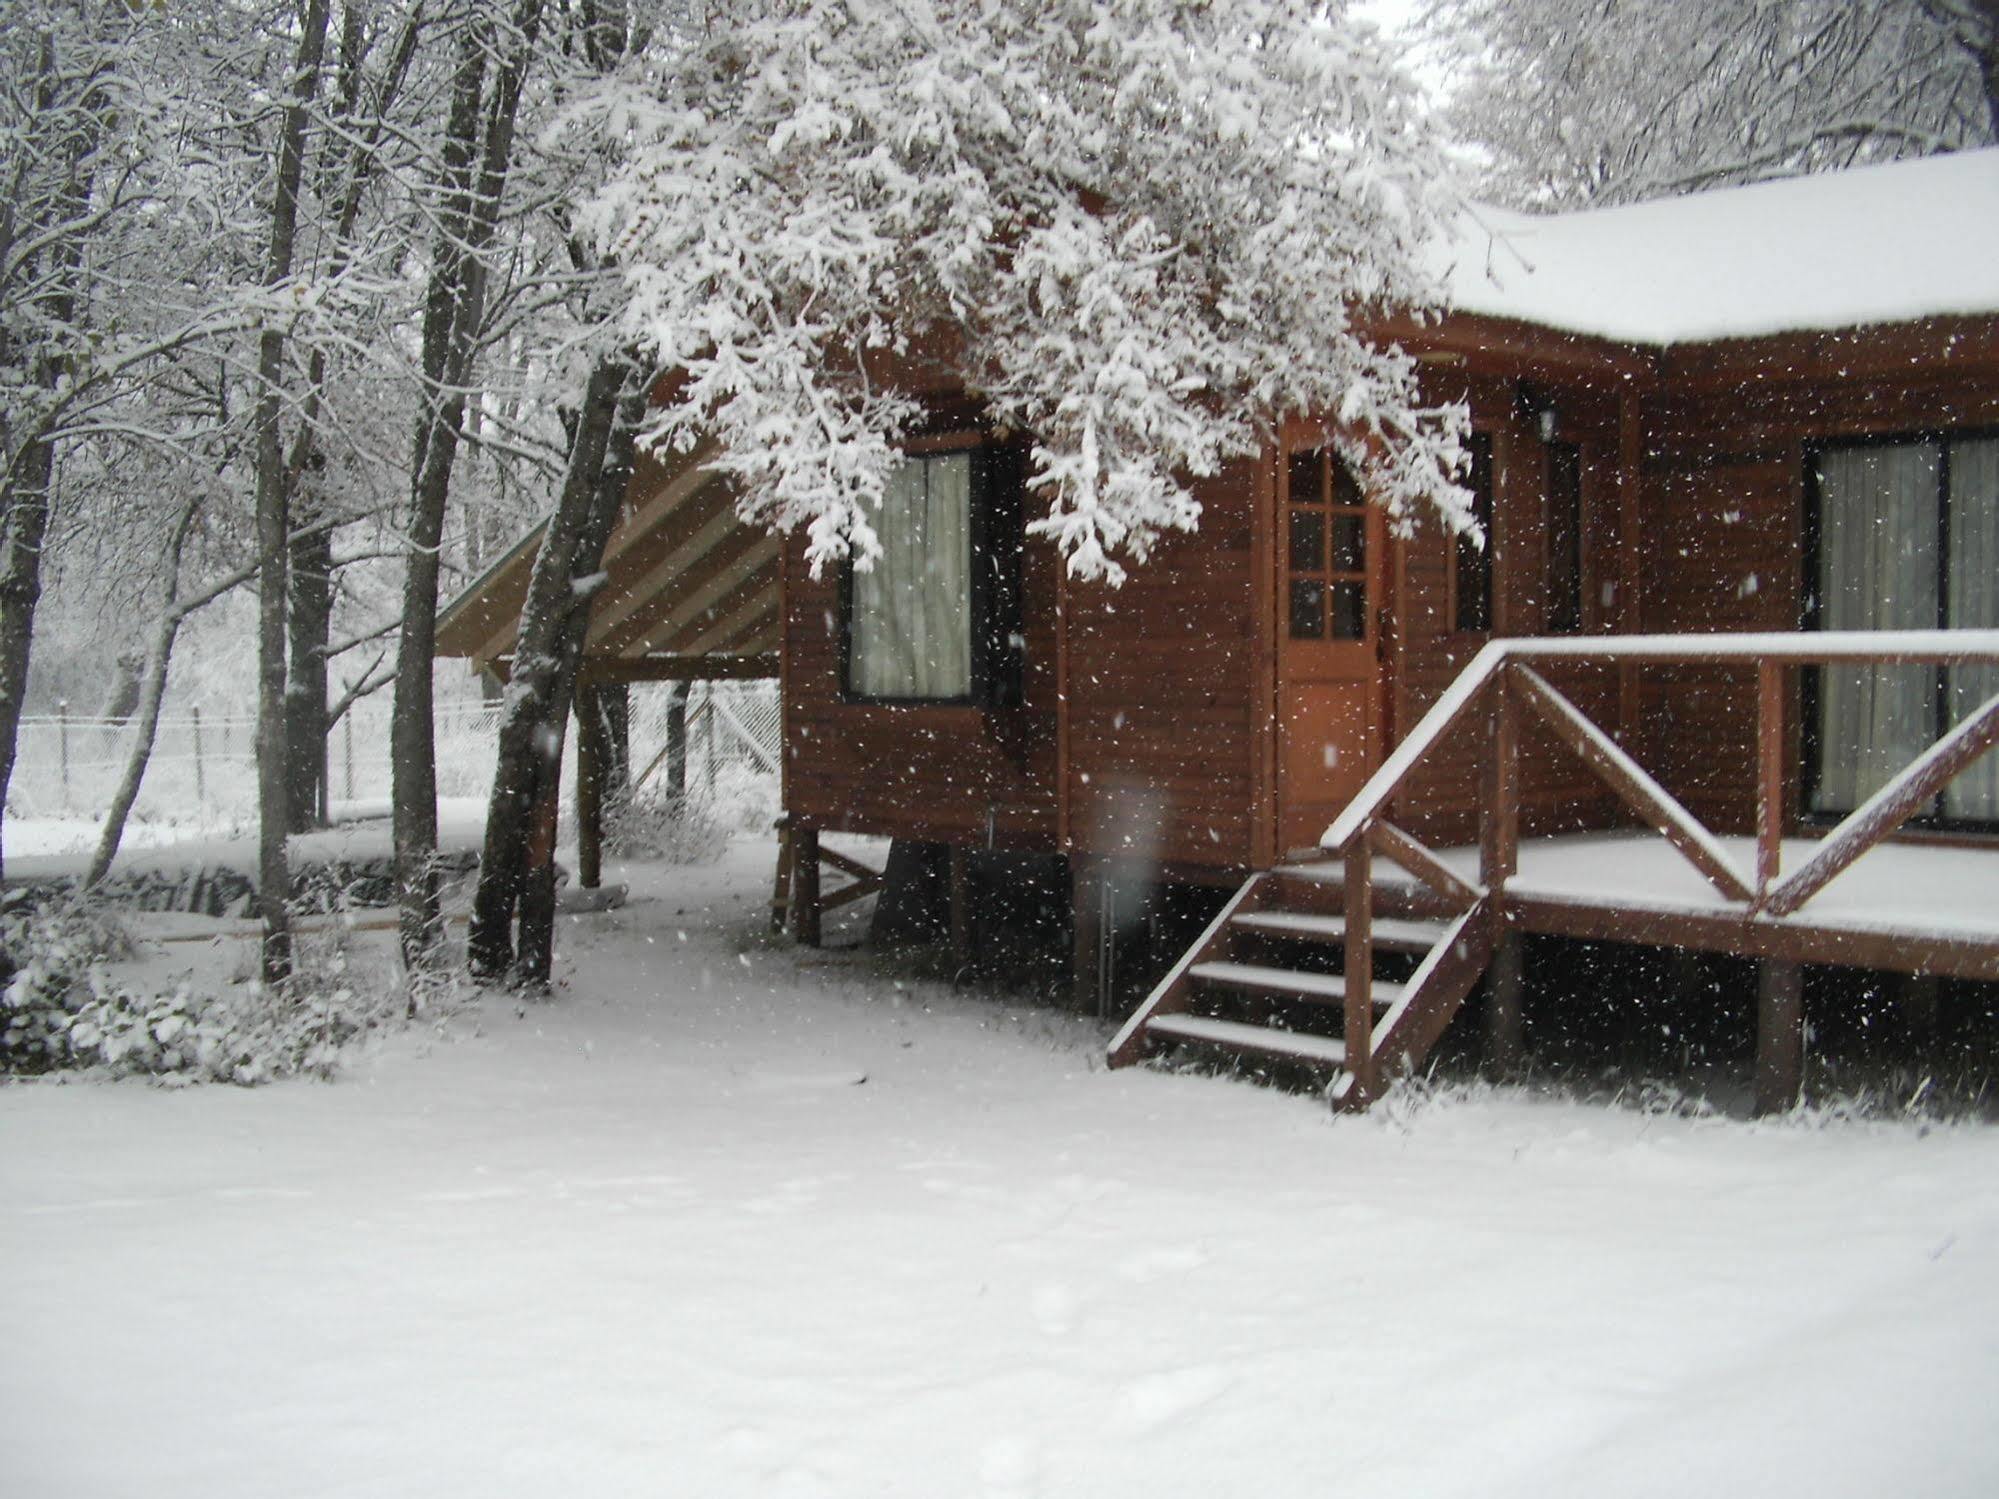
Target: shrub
{"points": [[64, 1008]]}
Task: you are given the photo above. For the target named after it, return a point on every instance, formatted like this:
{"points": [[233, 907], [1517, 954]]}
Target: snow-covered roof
{"points": [[1880, 244]]}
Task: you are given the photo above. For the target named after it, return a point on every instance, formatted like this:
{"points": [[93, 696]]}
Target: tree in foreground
{"points": [[1610, 101], [1144, 232]]}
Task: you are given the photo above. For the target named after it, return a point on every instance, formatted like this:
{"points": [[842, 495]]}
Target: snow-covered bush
{"points": [[672, 829], [66, 1007]]}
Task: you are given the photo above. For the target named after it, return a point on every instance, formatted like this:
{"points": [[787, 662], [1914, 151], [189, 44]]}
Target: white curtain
{"points": [[1972, 602], [1878, 534], [912, 611]]}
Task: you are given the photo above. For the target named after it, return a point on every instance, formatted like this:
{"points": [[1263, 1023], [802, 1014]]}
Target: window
{"points": [[1565, 538], [1905, 535], [1326, 549], [936, 619], [1471, 592]]}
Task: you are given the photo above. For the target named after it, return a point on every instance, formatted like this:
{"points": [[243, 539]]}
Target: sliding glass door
{"points": [[1907, 538]]}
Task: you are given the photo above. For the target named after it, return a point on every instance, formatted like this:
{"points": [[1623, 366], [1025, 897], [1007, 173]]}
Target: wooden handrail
{"points": [[1501, 668]]}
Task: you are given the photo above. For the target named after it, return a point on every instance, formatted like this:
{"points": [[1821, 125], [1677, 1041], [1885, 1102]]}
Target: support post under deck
{"points": [[805, 885], [1505, 982], [1780, 1035]]}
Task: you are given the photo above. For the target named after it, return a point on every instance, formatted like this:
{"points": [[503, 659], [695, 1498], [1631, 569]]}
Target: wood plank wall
{"points": [[1442, 804], [1724, 496], [961, 775], [1164, 722]]}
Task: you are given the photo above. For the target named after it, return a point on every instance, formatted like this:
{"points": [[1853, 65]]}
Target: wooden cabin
{"points": [[1761, 411]]}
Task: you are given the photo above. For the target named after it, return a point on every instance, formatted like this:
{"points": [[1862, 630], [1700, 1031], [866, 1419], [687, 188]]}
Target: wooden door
{"points": [[1331, 556]]}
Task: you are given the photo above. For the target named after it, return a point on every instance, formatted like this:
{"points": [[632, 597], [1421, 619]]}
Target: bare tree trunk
{"points": [[23, 529], [152, 689], [273, 519], [453, 311], [517, 865], [310, 621], [27, 485]]}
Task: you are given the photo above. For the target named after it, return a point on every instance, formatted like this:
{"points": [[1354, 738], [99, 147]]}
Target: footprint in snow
{"points": [[1054, 1309], [1008, 1466], [1154, 1264], [1156, 1399]]}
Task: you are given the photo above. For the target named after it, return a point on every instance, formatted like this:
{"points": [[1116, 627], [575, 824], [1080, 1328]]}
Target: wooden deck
{"points": [[1320, 932], [1914, 907]]}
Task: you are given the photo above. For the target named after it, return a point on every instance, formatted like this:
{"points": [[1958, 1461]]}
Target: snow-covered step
{"points": [[1323, 1050], [1401, 934], [1287, 981]]}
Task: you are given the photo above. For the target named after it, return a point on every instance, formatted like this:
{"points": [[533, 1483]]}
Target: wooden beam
{"points": [[713, 519], [1400, 849], [1504, 988], [1630, 577], [1769, 774], [756, 615], [688, 478], [1359, 969], [680, 668], [805, 908], [1499, 814], [1780, 1036], [1887, 809], [750, 593], [733, 566], [1638, 790], [1722, 930]]}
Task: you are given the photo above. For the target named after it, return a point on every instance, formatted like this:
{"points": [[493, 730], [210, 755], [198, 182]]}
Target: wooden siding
{"points": [[964, 775], [1723, 496], [1557, 793], [1165, 719]]}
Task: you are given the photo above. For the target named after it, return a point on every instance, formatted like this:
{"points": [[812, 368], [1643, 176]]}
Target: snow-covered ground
{"points": [[724, 1218]]}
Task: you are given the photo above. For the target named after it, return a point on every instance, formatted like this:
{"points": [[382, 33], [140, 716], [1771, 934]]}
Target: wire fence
{"points": [[203, 767]]}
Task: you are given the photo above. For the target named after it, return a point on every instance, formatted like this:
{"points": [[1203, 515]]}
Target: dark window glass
{"points": [[1349, 611], [1472, 593], [1308, 540], [1305, 471], [1308, 609], [1565, 538], [1349, 543]]}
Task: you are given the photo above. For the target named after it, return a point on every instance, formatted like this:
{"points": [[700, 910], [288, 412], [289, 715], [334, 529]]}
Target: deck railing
{"points": [[1501, 686]]}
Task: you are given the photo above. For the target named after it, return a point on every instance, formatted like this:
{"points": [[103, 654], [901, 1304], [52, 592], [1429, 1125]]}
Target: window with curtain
{"points": [[909, 622], [1908, 538]]}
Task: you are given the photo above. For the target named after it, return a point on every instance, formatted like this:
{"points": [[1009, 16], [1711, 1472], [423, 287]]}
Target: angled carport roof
{"points": [[691, 593]]}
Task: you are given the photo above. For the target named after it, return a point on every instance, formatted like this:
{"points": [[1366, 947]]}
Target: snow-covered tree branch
{"points": [[1142, 231]]}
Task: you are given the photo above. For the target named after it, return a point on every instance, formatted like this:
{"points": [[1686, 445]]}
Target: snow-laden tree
{"points": [[1609, 101], [1143, 230]]}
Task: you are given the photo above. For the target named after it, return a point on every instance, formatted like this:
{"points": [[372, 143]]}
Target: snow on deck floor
{"points": [[1906, 887], [652, 1238]]}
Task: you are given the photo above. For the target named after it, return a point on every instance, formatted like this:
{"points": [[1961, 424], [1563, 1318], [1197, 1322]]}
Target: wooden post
{"points": [[1630, 479], [1090, 935], [1505, 986], [1917, 997], [590, 767], [1769, 774], [676, 741], [62, 744], [780, 894], [201, 775], [1360, 967], [961, 906], [805, 885], [1780, 1036], [1499, 826]]}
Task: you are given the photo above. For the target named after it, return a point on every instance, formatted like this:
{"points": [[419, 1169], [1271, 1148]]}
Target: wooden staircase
{"points": [[1301, 945], [1352, 979]]}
